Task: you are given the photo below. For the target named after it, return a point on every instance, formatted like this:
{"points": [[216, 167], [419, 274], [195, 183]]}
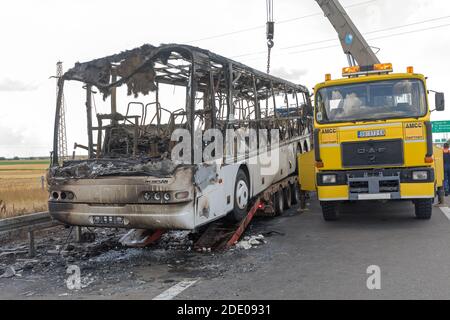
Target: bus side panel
{"points": [[216, 200]]}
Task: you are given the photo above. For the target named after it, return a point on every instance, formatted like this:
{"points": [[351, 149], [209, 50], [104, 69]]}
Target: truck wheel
{"points": [[424, 208], [295, 192], [278, 202], [329, 211], [287, 197], [241, 197]]}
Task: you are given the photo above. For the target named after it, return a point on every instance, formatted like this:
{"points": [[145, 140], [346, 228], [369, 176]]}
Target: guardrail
{"points": [[30, 223]]}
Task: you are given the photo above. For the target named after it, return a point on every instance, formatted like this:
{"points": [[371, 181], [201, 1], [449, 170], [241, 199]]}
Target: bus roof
{"points": [[153, 61]]}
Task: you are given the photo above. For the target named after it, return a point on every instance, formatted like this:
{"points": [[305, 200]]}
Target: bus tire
{"points": [[287, 194], [329, 211], [424, 208], [295, 191], [241, 197], [278, 202]]}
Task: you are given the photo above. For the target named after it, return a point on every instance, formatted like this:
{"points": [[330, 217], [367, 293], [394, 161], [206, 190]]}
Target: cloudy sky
{"points": [[36, 34]]}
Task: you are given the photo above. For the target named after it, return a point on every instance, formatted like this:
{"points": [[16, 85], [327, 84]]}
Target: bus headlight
{"points": [[329, 179], [63, 195], [70, 195], [163, 196], [420, 175], [147, 196]]}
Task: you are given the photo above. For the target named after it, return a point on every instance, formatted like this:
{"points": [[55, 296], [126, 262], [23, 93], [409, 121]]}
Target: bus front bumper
{"points": [[130, 216]]}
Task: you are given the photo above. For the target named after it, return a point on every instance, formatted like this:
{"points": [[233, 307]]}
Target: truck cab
{"points": [[373, 139]]}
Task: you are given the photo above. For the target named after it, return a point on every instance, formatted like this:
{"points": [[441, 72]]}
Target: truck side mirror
{"points": [[440, 101]]}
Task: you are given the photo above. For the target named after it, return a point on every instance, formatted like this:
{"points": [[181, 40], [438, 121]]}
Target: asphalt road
{"points": [[305, 258], [323, 260]]}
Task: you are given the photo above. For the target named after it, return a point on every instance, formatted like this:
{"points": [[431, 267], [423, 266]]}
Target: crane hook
{"points": [[270, 31]]}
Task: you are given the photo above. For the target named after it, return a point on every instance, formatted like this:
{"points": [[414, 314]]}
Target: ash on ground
{"points": [[106, 263]]}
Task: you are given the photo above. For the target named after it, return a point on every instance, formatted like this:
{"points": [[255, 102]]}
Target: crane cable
{"points": [[270, 29]]}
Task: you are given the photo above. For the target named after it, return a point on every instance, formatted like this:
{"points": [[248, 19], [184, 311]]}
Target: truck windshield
{"points": [[379, 100]]}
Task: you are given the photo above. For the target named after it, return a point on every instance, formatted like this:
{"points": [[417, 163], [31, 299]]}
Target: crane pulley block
{"points": [[270, 32]]}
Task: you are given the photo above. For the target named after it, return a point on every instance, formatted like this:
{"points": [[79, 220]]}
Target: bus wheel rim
{"points": [[242, 194]]}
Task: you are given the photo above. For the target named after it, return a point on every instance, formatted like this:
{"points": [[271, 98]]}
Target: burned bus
{"points": [[147, 166]]}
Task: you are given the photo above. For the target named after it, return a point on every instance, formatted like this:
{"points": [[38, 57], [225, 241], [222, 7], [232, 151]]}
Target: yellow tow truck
{"points": [[373, 140], [373, 134]]}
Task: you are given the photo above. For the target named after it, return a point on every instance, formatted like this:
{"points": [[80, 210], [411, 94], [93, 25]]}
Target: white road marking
{"points": [[172, 292], [446, 211]]}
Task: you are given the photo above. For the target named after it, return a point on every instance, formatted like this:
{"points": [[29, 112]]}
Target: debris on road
{"points": [[9, 273], [251, 242], [104, 261]]}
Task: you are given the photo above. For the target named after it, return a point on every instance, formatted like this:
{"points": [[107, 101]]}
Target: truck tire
{"points": [[241, 197], [278, 202], [329, 211], [287, 194], [424, 208]]}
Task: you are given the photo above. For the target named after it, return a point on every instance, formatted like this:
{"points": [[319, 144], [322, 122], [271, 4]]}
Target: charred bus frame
{"points": [[130, 161]]}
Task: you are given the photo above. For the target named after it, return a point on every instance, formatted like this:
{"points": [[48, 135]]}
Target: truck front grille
{"points": [[359, 187], [372, 153], [375, 182]]}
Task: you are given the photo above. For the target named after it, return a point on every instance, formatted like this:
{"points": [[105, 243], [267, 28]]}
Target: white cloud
{"points": [[10, 85], [291, 74]]}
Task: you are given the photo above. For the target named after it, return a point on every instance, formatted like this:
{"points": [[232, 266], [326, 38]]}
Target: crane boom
{"points": [[355, 46]]}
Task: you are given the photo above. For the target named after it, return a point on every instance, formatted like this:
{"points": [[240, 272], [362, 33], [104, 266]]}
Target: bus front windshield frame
{"points": [[371, 101]]}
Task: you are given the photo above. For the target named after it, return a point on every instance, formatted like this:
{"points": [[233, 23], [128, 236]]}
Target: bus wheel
{"points": [[295, 191], [241, 197], [424, 208], [287, 197], [329, 211], [278, 202]]}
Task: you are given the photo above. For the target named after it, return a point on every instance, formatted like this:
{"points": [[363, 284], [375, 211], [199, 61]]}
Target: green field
{"points": [[16, 162]]}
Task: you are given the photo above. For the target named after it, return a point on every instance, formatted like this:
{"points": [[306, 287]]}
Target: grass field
{"points": [[20, 187], [23, 162]]}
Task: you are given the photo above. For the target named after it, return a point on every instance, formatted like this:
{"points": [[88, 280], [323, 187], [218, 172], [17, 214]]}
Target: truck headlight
{"points": [[420, 175], [329, 179]]}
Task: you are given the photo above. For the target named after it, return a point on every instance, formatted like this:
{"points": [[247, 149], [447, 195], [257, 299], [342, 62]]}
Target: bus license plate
{"points": [[108, 220]]}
